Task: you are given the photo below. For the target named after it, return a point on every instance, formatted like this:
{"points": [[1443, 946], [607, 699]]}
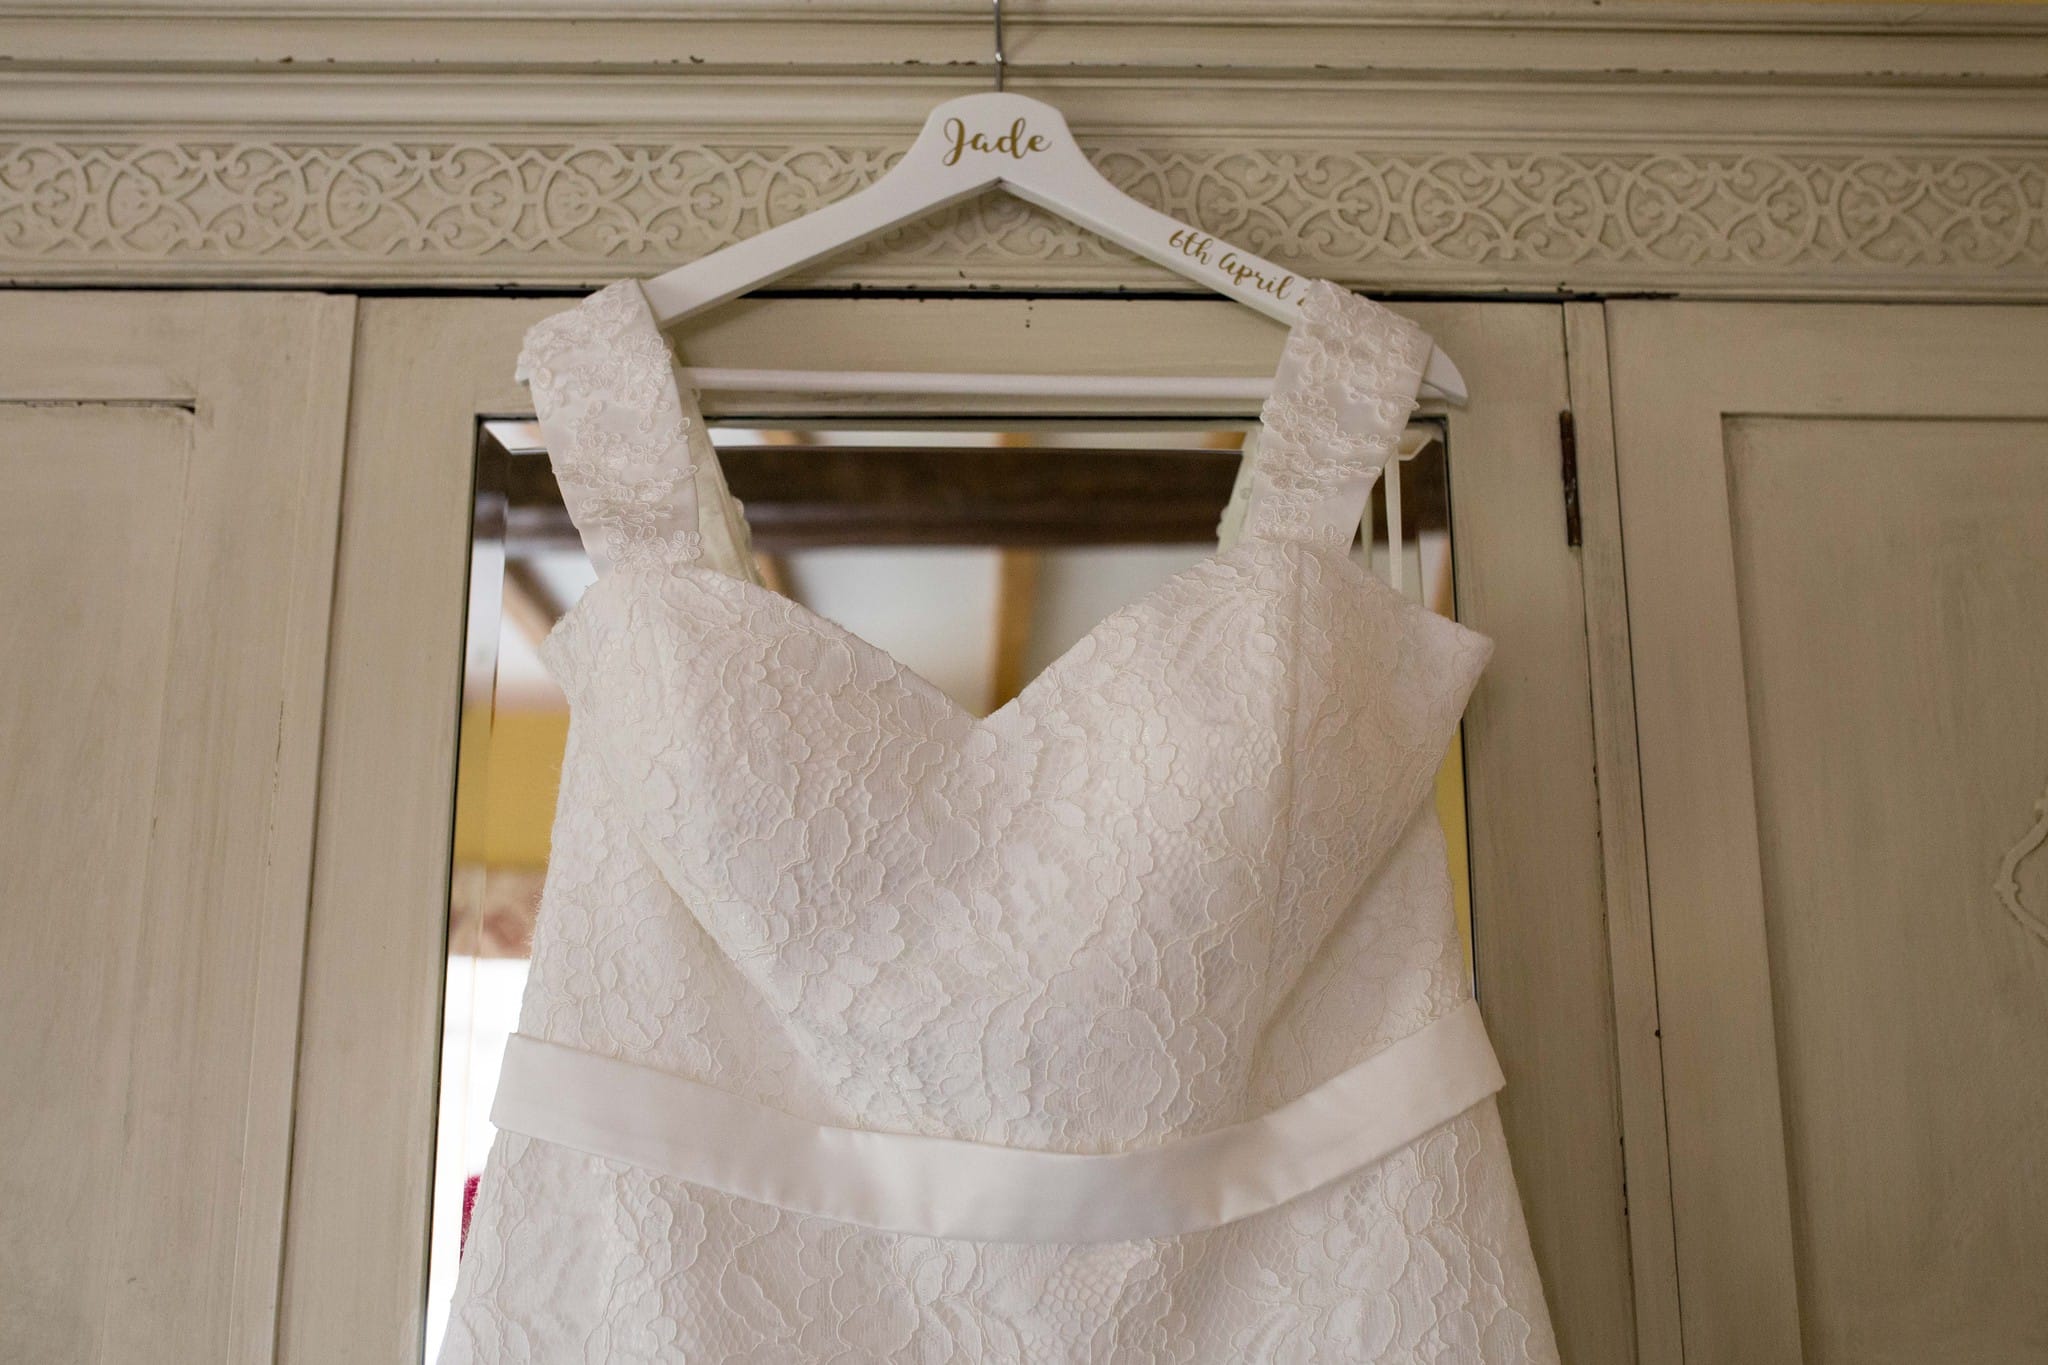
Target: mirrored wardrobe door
{"points": [[972, 541]]}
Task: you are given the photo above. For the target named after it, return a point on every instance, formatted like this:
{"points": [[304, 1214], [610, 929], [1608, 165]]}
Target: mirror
{"points": [[974, 552]]}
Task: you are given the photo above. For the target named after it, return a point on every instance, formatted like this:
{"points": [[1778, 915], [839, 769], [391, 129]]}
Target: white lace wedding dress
{"points": [[1126, 1024]]}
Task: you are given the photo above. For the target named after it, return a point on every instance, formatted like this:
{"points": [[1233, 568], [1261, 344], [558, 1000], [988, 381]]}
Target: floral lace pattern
{"points": [[1346, 385], [1189, 873], [600, 379]]}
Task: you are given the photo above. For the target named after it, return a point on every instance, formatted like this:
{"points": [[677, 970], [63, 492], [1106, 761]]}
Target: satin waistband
{"points": [[983, 1192]]}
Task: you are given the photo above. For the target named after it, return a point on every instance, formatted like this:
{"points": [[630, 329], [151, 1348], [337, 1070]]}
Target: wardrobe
{"points": [[1751, 493]]}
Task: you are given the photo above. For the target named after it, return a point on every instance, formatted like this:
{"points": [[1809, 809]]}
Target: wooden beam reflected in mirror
{"points": [[807, 496]]}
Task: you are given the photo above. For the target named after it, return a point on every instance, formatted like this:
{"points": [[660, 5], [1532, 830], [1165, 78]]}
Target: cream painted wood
{"points": [[1539, 941], [1631, 954], [171, 466], [1732, 148], [429, 369], [1837, 567], [1686, 37], [355, 1263]]}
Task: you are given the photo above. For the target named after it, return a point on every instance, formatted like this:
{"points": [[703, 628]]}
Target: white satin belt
{"points": [[945, 1187]]}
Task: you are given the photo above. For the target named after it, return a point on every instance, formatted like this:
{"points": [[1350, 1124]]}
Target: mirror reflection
{"points": [[973, 553]]}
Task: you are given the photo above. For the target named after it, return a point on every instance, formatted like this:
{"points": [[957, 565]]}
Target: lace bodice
{"points": [[1186, 875]]}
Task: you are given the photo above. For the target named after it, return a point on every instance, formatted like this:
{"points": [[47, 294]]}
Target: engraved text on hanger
{"points": [[1017, 142]]}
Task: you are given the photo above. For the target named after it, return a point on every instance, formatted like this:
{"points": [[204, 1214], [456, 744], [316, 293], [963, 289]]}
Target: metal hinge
{"points": [[1568, 470]]}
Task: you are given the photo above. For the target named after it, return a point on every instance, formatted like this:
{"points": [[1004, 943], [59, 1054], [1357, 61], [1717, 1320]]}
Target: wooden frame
{"points": [[1540, 949], [1632, 962], [428, 369], [354, 1270]]}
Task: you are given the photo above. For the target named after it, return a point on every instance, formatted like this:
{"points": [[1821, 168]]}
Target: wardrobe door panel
{"points": [[171, 467], [1836, 521]]}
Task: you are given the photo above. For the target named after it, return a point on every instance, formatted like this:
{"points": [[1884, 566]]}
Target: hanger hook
{"points": [[997, 14]]}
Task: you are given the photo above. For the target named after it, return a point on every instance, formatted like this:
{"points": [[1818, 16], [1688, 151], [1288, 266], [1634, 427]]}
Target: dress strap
{"points": [[1341, 398], [619, 438]]}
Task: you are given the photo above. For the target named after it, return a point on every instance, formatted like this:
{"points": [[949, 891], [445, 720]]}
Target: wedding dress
{"points": [[1126, 1024]]}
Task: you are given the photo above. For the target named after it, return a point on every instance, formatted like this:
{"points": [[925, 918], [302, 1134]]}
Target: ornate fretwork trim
{"points": [[582, 211]]}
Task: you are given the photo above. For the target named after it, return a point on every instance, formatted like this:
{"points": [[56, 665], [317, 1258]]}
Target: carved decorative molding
{"points": [[2007, 886], [581, 210]]}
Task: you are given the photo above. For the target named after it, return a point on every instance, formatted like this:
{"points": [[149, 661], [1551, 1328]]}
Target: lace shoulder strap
{"points": [[1346, 384], [620, 441]]}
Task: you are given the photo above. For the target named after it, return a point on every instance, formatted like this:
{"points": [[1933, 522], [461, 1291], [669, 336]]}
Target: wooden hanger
{"points": [[968, 146], [1022, 146]]}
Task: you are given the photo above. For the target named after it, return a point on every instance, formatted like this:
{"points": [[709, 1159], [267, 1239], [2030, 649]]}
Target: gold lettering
{"points": [[1241, 274], [1238, 272], [1016, 143], [1191, 244]]}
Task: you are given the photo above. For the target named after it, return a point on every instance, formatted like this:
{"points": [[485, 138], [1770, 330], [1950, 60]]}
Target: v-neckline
{"points": [[688, 403]]}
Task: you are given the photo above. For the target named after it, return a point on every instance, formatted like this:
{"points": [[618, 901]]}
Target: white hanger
{"points": [[969, 145]]}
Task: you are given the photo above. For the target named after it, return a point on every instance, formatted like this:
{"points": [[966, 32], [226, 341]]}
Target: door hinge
{"points": [[1568, 470]]}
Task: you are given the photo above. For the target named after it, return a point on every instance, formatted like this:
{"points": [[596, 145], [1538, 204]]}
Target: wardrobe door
{"points": [[431, 376], [1836, 531], [171, 469]]}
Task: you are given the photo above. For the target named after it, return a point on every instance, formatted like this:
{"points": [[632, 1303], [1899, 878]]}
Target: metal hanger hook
{"points": [[997, 14]]}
